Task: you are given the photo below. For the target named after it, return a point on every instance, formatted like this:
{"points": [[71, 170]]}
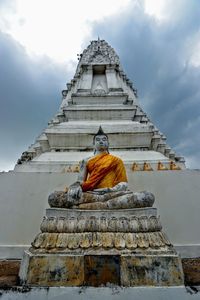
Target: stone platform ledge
{"points": [[98, 270], [64, 212], [111, 293], [10, 270]]}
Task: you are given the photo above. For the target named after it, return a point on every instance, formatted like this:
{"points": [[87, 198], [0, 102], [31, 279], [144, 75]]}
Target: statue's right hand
{"points": [[75, 192]]}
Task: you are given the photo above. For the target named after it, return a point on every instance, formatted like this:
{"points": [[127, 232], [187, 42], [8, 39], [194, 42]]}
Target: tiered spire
{"points": [[99, 94]]}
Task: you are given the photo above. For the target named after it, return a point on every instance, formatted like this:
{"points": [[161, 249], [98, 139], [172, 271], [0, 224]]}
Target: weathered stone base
{"points": [[9, 270], [191, 269], [97, 270], [149, 270]]}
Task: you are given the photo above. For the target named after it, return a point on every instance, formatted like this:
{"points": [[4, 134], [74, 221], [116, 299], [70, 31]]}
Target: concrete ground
{"points": [[111, 293]]}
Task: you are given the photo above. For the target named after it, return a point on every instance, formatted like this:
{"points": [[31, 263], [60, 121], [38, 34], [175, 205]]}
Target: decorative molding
{"points": [[16, 251], [100, 224], [101, 240]]}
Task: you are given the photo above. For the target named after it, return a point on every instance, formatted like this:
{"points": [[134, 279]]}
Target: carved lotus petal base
{"points": [[120, 220], [100, 240]]}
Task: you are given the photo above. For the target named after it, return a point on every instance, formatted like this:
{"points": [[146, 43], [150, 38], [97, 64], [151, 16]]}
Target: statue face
{"points": [[101, 143]]}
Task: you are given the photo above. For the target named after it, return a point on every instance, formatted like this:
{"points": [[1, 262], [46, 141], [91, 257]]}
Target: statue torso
{"points": [[104, 170]]}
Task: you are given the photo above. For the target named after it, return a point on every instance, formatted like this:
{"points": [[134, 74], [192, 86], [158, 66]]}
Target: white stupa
{"points": [[99, 94]]}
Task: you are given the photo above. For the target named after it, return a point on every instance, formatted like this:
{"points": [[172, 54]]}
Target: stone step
{"points": [[117, 112], [117, 98], [79, 135]]}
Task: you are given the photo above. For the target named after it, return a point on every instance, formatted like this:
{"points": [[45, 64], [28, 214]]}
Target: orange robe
{"points": [[104, 170]]}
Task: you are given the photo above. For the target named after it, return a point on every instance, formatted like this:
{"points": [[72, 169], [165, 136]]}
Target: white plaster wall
{"points": [[177, 199], [23, 198]]}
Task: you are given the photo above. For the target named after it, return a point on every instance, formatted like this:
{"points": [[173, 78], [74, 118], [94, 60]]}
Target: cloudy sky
{"points": [[158, 42]]}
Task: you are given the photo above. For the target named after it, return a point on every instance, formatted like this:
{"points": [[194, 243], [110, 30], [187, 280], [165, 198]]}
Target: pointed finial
{"points": [[98, 39]]}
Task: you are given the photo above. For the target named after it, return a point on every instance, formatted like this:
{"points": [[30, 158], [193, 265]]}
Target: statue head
{"points": [[100, 141]]}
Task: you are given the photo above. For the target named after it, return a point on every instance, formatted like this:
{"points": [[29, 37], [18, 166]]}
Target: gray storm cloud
{"points": [[157, 56], [30, 94]]}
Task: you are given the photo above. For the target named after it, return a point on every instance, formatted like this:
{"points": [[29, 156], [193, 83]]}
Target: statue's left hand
{"points": [[122, 186], [103, 190]]}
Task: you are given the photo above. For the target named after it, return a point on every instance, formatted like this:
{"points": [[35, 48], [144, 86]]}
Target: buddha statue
{"points": [[98, 222], [101, 184]]}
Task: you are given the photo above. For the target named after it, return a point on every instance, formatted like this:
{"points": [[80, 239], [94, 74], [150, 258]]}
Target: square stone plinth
{"points": [[52, 269], [102, 269], [151, 270], [99, 270]]}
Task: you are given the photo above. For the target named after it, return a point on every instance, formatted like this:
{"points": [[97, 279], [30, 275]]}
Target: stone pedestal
{"points": [[124, 247], [103, 269]]}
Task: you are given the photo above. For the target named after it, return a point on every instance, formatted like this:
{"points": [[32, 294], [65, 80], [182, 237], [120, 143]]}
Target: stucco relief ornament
{"points": [[98, 53], [99, 91], [99, 59]]}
